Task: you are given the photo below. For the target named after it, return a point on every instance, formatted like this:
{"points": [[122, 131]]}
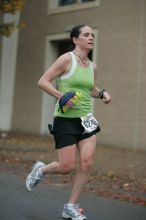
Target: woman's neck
{"points": [[82, 56]]}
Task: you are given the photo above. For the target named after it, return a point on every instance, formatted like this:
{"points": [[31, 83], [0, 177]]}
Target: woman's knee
{"points": [[67, 167], [86, 165]]}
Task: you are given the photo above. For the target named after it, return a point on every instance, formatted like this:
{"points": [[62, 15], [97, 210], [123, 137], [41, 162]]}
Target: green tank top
{"points": [[78, 79]]}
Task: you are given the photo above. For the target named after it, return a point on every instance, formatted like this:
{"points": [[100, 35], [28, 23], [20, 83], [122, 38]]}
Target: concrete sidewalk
{"points": [[46, 203]]}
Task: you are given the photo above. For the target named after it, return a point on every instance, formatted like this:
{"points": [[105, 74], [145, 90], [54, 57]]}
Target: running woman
{"points": [[74, 126]]}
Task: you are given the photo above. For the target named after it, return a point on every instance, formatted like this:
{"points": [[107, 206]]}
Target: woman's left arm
{"points": [[96, 92]]}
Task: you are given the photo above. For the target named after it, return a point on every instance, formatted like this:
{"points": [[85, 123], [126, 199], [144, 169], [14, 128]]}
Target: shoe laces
{"points": [[73, 210], [35, 178]]}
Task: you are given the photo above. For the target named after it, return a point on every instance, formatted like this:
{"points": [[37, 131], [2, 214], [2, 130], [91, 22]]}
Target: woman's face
{"points": [[85, 39]]}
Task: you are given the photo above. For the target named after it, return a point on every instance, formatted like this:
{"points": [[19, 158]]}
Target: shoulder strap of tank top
{"points": [[91, 66], [72, 69]]}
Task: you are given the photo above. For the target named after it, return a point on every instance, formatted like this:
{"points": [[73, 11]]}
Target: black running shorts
{"points": [[68, 131]]}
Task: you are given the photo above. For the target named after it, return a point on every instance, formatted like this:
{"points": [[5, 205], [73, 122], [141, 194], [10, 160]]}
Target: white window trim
{"points": [[48, 102], [54, 9]]}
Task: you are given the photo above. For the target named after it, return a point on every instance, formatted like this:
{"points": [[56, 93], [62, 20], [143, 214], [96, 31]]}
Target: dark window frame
{"points": [[70, 2]]}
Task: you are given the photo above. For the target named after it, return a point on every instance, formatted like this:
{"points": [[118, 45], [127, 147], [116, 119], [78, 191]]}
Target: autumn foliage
{"points": [[10, 6]]}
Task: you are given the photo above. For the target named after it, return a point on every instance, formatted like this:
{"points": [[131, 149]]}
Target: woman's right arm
{"points": [[61, 66]]}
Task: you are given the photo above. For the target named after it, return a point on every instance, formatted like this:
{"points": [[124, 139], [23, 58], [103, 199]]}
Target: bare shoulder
{"points": [[65, 61], [64, 58]]}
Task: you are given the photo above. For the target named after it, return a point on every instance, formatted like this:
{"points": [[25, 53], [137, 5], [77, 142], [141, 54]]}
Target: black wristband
{"points": [[101, 94]]}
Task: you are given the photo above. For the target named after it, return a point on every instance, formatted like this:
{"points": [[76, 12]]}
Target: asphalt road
{"points": [[46, 203]]}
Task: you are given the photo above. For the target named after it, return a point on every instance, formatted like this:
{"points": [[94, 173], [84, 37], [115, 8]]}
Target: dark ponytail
{"points": [[75, 32]]}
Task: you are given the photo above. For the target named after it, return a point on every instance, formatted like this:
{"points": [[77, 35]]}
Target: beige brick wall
{"points": [[30, 65], [121, 67], [122, 71]]}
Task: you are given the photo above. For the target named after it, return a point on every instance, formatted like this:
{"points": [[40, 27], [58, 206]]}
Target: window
{"points": [[69, 2], [66, 2], [59, 6]]}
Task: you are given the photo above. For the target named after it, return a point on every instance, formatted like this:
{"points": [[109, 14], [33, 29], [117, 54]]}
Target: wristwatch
{"points": [[101, 94]]}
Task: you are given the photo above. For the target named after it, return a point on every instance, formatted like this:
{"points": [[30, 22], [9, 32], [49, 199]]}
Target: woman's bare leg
{"points": [[87, 149], [66, 161]]}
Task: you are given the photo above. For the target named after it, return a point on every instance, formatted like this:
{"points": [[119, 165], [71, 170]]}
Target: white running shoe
{"points": [[34, 177], [71, 211]]}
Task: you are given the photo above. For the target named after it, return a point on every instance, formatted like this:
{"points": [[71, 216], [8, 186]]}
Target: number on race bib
{"points": [[89, 123]]}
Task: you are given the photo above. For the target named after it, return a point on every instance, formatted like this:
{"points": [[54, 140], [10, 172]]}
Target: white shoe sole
{"points": [[66, 216]]}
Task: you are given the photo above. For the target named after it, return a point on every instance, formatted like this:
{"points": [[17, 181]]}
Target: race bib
{"points": [[89, 123]]}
